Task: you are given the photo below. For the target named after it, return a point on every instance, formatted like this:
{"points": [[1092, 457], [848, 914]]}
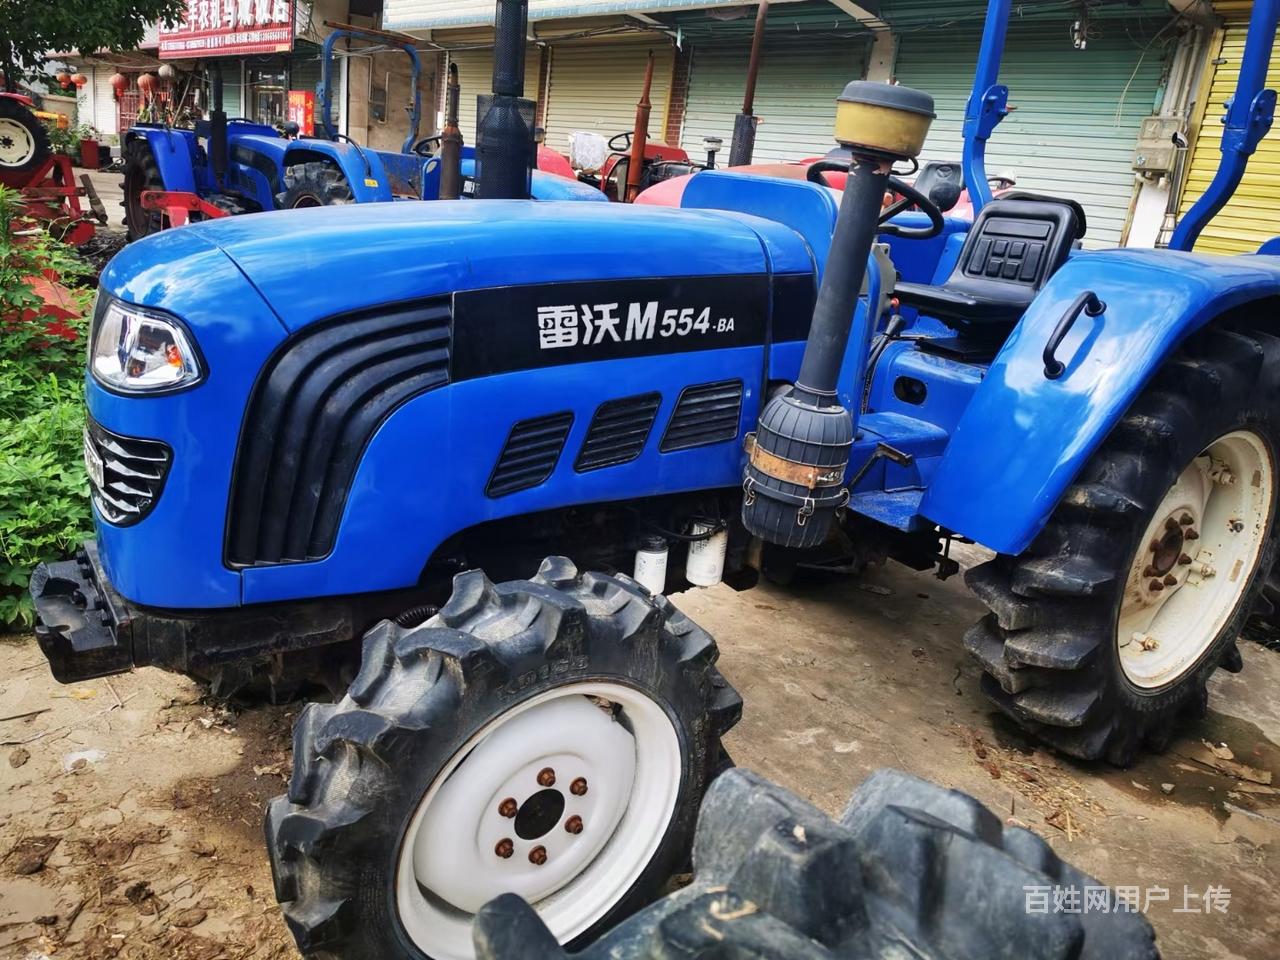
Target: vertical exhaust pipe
{"points": [[794, 480], [504, 133], [639, 138], [743, 144], [451, 140], [218, 129]]}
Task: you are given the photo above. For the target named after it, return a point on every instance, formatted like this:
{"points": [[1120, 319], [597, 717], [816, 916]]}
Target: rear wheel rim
{"points": [[307, 200], [1196, 560], [17, 143], [612, 756]]}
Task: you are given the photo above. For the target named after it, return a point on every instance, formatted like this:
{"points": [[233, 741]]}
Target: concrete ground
{"points": [[130, 810], [110, 187]]}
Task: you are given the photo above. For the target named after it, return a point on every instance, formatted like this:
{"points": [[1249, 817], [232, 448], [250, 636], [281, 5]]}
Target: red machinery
{"points": [[45, 179]]}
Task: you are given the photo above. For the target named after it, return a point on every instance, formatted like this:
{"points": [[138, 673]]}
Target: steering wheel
{"points": [[423, 147], [623, 147], [908, 195]]}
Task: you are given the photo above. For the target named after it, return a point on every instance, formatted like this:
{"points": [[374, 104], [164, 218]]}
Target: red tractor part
{"points": [[45, 179], [178, 206]]}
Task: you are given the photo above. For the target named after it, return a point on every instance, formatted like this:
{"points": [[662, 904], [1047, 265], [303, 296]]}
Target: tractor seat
{"points": [[1015, 245]]}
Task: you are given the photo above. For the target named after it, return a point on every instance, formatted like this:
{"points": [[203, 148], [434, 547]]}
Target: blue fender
{"points": [[361, 166], [1024, 438], [175, 153]]}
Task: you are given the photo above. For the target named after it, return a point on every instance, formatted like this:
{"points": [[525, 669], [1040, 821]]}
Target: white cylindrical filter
{"points": [[651, 565], [705, 566]]}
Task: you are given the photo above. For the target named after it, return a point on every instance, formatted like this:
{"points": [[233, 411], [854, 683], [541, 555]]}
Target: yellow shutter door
{"points": [[475, 76], [595, 87], [1253, 215]]}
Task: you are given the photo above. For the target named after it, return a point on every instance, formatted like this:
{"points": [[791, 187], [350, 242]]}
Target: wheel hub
{"points": [[562, 800], [17, 146], [1175, 604]]}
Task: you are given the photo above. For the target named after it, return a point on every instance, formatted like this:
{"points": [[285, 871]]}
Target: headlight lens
{"points": [[140, 351]]}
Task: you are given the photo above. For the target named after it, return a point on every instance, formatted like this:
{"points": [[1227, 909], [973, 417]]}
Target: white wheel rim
{"points": [[17, 145], [1195, 560], [449, 861]]}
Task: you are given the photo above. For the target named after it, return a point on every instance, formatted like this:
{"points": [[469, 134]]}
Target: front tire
{"points": [[1108, 627], [317, 183], [141, 173], [552, 737]]}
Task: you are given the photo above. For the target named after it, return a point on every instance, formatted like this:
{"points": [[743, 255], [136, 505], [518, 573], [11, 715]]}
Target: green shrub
{"points": [[44, 493]]}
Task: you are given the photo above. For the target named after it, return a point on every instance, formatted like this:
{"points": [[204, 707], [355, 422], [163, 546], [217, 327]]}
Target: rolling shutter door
{"points": [[475, 77], [595, 87], [795, 95], [1252, 216], [104, 101], [1076, 125]]}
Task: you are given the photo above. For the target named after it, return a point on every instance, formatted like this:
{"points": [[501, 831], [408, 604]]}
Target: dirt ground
{"points": [[130, 810]]}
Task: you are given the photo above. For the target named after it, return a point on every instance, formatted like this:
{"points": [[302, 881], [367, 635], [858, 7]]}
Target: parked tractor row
{"points": [[760, 378]]}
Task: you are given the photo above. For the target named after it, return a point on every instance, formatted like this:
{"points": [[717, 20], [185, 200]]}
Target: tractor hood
{"points": [[315, 263]]}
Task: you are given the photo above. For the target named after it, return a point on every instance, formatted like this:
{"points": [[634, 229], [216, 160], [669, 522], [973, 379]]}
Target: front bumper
{"points": [[84, 628]]}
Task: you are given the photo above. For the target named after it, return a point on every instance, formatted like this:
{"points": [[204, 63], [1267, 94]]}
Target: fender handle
{"points": [[1088, 303]]}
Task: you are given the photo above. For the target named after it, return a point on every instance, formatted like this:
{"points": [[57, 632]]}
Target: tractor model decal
{"points": [[520, 328]]}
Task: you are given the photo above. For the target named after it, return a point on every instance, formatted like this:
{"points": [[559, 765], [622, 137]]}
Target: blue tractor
{"points": [[224, 166], [280, 465]]}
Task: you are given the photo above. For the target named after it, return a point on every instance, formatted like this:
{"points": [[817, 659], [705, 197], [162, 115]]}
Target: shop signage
{"points": [[229, 28], [302, 111]]}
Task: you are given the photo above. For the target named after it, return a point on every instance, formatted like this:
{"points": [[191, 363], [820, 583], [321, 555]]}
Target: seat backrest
{"points": [[1015, 245]]}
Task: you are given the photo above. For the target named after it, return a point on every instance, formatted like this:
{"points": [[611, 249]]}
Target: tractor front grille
{"points": [[705, 414], [314, 408], [618, 432], [126, 474], [530, 454]]}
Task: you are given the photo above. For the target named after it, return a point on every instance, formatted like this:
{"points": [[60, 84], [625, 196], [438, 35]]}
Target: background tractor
{"points": [[279, 466], [224, 166]]}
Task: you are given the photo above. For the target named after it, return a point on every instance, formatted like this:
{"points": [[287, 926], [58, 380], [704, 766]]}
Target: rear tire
{"points": [[141, 173], [910, 870], [24, 142], [1107, 628], [401, 786], [317, 183]]}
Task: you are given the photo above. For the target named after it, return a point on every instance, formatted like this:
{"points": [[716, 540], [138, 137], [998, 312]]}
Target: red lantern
{"points": [[147, 84], [63, 78], [79, 79], [119, 83]]}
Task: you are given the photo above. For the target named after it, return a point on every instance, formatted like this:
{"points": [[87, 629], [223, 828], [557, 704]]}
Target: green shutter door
{"points": [[1076, 125], [475, 77], [795, 95], [233, 88], [595, 86]]}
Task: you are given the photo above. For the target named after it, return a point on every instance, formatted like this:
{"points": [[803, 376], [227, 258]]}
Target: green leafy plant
{"points": [[44, 493]]}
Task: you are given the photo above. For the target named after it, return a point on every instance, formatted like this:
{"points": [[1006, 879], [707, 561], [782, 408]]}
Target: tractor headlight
{"points": [[140, 351]]}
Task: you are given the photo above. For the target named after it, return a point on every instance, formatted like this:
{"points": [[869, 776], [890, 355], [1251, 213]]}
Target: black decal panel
{"points": [[794, 296], [526, 327]]}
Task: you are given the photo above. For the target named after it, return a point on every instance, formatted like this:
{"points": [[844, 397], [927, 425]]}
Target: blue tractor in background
{"points": [[224, 166], [279, 466]]}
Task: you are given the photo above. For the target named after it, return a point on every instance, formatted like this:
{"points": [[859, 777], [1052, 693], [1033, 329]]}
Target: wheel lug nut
{"points": [[1192, 534], [1171, 524], [538, 856], [579, 787], [573, 824], [1186, 520], [508, 808], [546, 778], [1151, 571], [1155, 586], [1184, 560], [1170, 580], [504, 848], [1146, 641], [1154, 546]]}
